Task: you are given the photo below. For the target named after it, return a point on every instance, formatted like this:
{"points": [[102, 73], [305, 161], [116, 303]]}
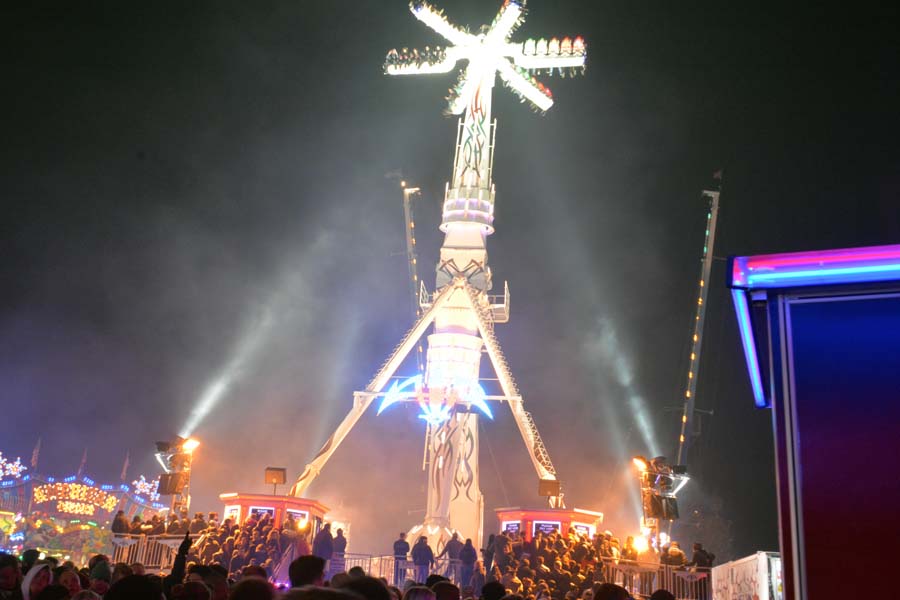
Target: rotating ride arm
{"points": [[362, 400], [540, 458]]}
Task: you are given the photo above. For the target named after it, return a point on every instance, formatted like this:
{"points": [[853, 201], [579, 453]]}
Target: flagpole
{"points": [[82, 465], [35, 455], [124, 475]]}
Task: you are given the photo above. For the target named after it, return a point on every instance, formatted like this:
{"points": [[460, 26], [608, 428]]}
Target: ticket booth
{"points": [[821, 337], [240, 506], [527, 522]]}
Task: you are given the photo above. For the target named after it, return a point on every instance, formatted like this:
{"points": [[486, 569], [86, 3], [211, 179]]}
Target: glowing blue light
{"points": [[394, 394], [747, 340], [106, 487], [123, 487], [70, 479], [477, 398], [822, 276], [399, 391], [435, 415], [87, 480]]}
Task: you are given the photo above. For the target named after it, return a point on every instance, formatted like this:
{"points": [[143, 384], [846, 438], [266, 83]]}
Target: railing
{"points": [[643, 578], [155, 552], [346, 561], [398, 571]]}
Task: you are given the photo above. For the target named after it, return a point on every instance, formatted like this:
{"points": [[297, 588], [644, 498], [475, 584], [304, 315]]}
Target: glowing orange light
{"points": [[640, 463]]}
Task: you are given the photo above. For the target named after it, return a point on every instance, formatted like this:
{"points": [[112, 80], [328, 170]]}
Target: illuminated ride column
{"points": [[454, 499], [462, 313]]}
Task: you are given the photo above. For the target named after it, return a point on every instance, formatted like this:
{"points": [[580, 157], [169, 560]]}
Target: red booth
{"points": [[240, 506], [528, 522]]}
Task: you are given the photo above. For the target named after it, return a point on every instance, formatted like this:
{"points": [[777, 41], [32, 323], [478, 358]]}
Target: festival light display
{"points": [[488, 53], [11, 469], [142, 487], [75, 498], [461, 311]]}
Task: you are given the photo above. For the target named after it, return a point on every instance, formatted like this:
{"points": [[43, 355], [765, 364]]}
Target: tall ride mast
{"points": [[687, 416], [461, 311]]}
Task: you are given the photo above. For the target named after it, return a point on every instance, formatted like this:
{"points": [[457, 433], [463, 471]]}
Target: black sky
{"points": [[172, 170]]}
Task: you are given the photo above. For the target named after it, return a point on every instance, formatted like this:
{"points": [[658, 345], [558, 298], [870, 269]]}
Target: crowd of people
{"points": [[550, 566], [406, 57], [258, 542], [29, 578], [234, 562]]}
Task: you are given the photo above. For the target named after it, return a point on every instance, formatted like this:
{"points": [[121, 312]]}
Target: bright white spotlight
{"points": [[246, 350]]}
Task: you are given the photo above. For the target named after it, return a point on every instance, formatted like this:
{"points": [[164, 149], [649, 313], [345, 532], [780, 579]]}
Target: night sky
{"points": [[197, 188]]}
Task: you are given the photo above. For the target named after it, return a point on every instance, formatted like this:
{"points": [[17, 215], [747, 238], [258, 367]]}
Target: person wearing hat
{"points": [[37, 578]]}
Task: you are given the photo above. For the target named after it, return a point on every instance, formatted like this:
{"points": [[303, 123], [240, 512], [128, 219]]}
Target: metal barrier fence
{"points": [[641, 579], [344, 562], [155, 552], [398, 571]]}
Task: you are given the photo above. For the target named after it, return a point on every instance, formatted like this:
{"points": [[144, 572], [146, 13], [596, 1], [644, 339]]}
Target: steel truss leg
{"points": [[362, 400]]}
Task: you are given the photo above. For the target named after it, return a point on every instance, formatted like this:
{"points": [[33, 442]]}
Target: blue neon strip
{"points": [[394, 394], [835, 275], [747, 340], [478, 401]]}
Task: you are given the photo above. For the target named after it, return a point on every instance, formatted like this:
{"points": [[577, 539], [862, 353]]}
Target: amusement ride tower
{"points": [[462, 311]]}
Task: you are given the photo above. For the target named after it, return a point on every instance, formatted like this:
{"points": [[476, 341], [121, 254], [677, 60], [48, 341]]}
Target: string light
{"points": [[150, 489], [75, 498], [12, 469]]}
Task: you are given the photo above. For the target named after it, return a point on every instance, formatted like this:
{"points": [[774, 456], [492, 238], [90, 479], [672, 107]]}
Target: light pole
{"points": [[176, 459]]}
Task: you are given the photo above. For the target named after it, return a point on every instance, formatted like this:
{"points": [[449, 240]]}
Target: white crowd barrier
{"points": [[641, 579], [155, 552], [758, 576]]}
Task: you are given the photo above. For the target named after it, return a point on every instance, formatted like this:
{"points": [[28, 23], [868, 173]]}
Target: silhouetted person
{"points": [[340, 543], [198, 524], [401, 549], [323, 543], [468, 556], [307, 570], [423, 558], [120, 523], [701, 558]]}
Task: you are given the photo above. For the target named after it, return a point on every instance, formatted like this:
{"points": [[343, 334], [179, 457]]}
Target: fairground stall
{"points": [[821, 335], [68, 518]]}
